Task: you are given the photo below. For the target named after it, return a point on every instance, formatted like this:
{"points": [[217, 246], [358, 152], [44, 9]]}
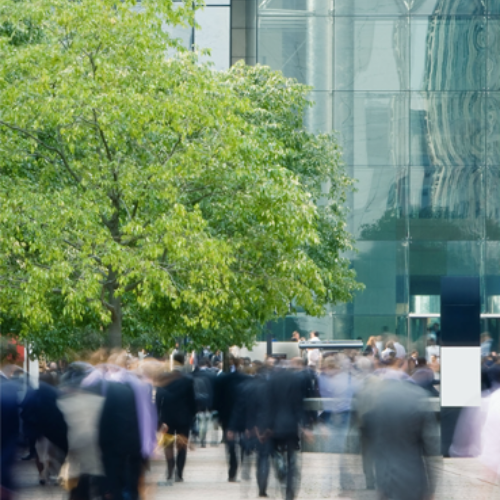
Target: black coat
{"points": [[206, 381], [252, 407], [227, 390], [176, 404], [119, 425], [286, 403], [42, 417]]}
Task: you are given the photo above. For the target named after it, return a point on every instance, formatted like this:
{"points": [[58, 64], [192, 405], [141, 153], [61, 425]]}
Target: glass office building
{"points": [[412, 88]]}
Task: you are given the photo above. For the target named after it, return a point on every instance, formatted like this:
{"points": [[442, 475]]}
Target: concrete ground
{"points": [[206, 479]]}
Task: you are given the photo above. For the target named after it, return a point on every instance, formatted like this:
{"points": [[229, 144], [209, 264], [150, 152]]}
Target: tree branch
{"points": [[58, 151], [133, 286], [103, 137]]}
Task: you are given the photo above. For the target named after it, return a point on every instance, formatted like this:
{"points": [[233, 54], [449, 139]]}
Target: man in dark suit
{"points": [[204, 385], [286, 421], [176, 405], [120, 442], [9, 422], [403, 434], [227, 389]]}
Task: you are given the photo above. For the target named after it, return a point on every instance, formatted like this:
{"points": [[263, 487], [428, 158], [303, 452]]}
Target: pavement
{"points": [[206, 478]]}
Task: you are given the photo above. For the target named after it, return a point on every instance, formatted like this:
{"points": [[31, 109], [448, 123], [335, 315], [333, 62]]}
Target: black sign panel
{"points": [[460, 311]]}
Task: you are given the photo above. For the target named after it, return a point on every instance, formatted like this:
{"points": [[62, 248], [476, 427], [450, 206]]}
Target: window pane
{"points": [[447, 128], [373, 127], [493, 128], [492, 277], [492, 186], [371, 54], [381, 266], [300, 47], [378, 205], [429, 260], [370, 7], [446, 203], [319, 118], [446, 7], [448, 53]]}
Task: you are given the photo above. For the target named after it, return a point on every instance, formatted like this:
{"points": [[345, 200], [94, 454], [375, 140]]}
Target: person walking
{"points": [[286, 422], [227, 389], [175, 401], [402, 428]]}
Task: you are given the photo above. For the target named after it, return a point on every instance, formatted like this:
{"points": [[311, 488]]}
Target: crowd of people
{"points": [[94, 425]]}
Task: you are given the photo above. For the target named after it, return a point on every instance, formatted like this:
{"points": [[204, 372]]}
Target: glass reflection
{"points": [[371, 7], [493, 203], [446, 203], [372, 54], [381, 266], [493, 128], [379, 204], [373, 127], [447, 128], [300, 47], [448, 53], [448, 7], [492, 276]]}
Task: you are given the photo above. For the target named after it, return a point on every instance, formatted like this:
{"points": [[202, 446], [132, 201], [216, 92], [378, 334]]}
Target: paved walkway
{"points": [[206, 479]]}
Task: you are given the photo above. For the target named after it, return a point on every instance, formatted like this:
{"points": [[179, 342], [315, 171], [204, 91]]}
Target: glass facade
{"points": [[412, 87]]}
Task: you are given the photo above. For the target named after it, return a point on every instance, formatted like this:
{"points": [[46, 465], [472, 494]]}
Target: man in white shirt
{"points": [[431, 350], [400, 350], [313, 355]]}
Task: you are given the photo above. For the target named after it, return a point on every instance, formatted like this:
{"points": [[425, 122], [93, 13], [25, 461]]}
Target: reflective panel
{"points": [[371, 7], [492, 196], [372, 53], [448, 7], [319, 118], [493, 6], [378, 207], [493, 53], [440, 123], [381, 266], [448, 53], [493, 128], [429, 260], [373, 127], [492, 277], [446, 203], [300, 47], [316, 7]]}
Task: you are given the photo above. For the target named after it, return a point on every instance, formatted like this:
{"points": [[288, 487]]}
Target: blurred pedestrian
{"points": [[286, 419], [176, 404], [402, 430]]}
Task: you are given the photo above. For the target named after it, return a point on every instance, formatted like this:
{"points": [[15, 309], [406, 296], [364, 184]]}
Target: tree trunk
{"points": [[115, 328]]}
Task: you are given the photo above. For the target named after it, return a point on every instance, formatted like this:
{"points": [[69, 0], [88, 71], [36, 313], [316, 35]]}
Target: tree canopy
{"points": [[146, 195]]}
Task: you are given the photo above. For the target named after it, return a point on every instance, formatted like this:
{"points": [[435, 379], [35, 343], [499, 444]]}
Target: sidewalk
{"points": [[206, 479]]}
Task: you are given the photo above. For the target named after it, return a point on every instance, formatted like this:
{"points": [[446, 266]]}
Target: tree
{"points": [[155, 196]]}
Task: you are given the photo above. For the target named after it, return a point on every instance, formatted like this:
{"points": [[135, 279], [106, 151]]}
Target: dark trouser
{"points": [[88, 488], [285, 450], [368, 460], [177, 461], [122, 475], [233, 459], [264, 451], [8, 457], [231, 452]]}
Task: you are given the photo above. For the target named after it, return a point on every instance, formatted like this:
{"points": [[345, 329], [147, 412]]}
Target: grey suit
{"points": [[403, 435]]}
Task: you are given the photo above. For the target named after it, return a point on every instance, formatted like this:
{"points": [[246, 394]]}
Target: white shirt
{"points": [[400, 350], [431, 350]]}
